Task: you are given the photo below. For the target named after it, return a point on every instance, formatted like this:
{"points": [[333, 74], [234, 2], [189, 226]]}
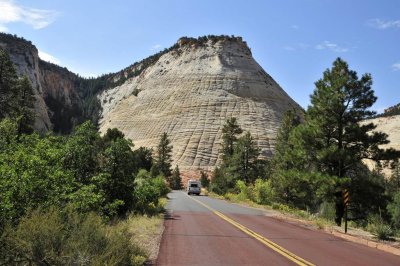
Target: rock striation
{"points": [[189, 92]]}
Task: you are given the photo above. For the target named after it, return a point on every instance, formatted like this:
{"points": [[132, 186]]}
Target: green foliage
{"points": [[205, 182], [230, 131], [263, 192], [26, 104], [176, 180], [144, 158], [120, 167], [219, 182], [147, 193], [327, 211], [8, 86], [243, 191], [339, 103], [163, 158], [16, 95], [304, 190], [89, 172], [53, 237], [83, 146], [394, 210], [243, 159], [379, 228]]}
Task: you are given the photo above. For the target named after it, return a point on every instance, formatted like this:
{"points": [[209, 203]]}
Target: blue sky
{"points": [[293, 40]]}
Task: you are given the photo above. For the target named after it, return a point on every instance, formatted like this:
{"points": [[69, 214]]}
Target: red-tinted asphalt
{"points": [[196, 236]]}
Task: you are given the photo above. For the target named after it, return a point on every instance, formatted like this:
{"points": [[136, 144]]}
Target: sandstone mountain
{"points": [[189, 91]]}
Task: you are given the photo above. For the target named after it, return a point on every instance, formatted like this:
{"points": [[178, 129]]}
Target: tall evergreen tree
{"points": [[289, 122], [164, 150], [26, 104], [244, 158], [339, 103], [176, 180], [8, 85], [230, 131]]}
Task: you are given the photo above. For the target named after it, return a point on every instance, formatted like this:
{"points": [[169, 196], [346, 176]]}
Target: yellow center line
{"points": [[284, 252]]}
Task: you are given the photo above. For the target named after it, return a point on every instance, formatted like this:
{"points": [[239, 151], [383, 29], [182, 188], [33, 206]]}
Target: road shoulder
{"points": [[353, 235]]}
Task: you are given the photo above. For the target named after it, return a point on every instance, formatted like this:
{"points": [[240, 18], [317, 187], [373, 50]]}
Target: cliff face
{"points": [[189, 92], [26, 61], [58, 105]]}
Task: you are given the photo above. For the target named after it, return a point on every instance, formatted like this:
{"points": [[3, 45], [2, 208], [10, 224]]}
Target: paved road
{"points": [[203, 231]]}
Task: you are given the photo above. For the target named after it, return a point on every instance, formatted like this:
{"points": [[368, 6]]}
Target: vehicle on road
{"points": [[193, 187]]}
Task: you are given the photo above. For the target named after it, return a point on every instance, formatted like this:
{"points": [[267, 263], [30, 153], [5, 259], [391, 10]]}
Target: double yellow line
{"points": [[284, 252]]}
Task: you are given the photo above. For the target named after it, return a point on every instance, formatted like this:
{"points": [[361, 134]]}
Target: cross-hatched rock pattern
{"points": [[189, 93]]}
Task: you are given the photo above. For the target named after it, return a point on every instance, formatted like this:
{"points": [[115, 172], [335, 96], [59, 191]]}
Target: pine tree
{"points": [[230, 131], [164, 150], [289, 122], [339, 103], [8, 85], [205, 182], [176, 180], [244, 158], [26, 104]]}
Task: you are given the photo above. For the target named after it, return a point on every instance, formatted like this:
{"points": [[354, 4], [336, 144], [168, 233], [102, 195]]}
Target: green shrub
{"points": [[205, 182], [262, 192], [327, 211], [147, 193], [394, 210], [379, 228], [67, 237], [244, 191]]}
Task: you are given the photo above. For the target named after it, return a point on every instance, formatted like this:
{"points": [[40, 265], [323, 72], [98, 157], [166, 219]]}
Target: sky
{"points": [[295, 41]]}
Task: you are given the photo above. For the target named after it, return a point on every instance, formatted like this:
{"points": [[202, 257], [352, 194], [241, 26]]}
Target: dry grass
{"points": [[147, 231]]}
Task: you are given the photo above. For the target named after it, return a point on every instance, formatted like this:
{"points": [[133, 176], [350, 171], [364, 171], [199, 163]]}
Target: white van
{"points": [[193, 187]]}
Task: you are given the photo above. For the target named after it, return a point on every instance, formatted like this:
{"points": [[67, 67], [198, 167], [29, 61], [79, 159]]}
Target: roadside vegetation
{"points": [[318, 154], [79, 199]]}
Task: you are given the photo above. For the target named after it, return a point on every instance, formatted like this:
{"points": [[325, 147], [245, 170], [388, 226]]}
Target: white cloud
{"points": [[383, 24], [327, 45], [11, 12], [49, 58], [396, 66], [3, 28], [156, 47]]}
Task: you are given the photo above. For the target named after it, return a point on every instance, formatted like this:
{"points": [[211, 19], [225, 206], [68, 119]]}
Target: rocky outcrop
{"points": [[189, 92], [26, 61], [58, 103]]}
